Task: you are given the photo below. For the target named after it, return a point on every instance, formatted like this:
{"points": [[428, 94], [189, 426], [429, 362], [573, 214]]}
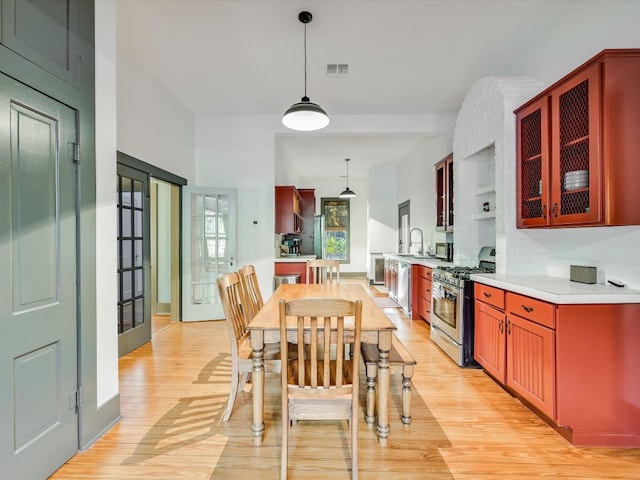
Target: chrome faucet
{"points": [[420, 250]]}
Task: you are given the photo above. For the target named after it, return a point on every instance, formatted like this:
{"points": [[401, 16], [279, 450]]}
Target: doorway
{"points": [[149, 244], [403, 227]]}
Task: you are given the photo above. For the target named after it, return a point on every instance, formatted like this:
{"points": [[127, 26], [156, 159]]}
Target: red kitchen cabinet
{"points": [[577, 148], [421, 292], [307, 212], [531, 351], [444, 194], [292, 268], [489, 344], [287, 209], [598, 392]]}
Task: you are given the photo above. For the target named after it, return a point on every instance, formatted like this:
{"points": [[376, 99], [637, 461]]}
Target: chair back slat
{"points": [[232, 303], [251, 291]]}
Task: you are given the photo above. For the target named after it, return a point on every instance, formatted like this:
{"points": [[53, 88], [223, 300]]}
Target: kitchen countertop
{"points": [[560, 291], [295, 259], [430, 262]]}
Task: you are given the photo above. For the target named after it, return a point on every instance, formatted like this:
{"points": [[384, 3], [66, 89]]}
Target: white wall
{"points": [[106, 232], [152, 125], [416, 183]]}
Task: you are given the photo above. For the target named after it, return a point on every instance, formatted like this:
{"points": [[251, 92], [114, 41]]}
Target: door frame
{"points": [[403, 237], [163, 175]]}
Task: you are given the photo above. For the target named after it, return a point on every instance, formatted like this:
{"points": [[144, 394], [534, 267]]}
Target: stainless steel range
{"points": [[452, 307]]}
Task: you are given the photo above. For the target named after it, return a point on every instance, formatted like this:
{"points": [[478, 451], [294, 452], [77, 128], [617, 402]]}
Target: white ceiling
{"points": [[405, 57]]}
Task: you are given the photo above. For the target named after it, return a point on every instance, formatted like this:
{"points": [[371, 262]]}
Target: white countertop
{"points": [[560, 291], [295, 259], [430, 262]]}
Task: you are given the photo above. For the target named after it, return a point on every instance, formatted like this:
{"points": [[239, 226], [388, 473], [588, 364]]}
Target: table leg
{"points": [[257, 380], [383, 392]]}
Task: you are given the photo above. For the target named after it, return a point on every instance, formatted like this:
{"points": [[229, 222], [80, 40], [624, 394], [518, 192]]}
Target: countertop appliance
{"points": [[452, 307], [444, 251]]}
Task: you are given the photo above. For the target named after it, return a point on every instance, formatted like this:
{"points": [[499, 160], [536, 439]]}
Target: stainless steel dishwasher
{"points": [[404, 286]]}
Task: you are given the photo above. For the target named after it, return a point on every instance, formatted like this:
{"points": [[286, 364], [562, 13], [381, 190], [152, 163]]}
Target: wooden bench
{"points": [[400, 360]]}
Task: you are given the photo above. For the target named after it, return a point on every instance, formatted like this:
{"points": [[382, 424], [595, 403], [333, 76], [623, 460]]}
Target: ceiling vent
{"points": [[337, 70]]}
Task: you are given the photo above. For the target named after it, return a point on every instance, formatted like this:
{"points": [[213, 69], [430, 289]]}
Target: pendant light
{"points": [[347, 192], [305, 116]]}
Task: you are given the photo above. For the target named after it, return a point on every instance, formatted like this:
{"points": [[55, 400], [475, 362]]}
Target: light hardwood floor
{"points": [[174, 390]]}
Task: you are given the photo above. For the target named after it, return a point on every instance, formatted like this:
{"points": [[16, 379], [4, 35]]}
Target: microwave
{"points": [[444, 251]]}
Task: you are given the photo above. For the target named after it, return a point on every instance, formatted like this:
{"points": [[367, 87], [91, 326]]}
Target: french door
{"points": [[209, 249], [134, 313]]}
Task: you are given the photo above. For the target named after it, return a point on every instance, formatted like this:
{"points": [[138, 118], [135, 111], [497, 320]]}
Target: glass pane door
{"points": [[134, 316], [209, 217]]}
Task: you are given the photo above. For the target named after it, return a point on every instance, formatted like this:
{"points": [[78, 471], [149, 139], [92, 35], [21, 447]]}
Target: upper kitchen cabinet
{"points": [[577, 147], [444, 194], [307, 212], [46, 34], [288, 218]]}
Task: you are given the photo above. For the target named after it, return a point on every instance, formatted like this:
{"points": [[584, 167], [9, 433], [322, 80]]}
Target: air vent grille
{"points": [[337, 70]]}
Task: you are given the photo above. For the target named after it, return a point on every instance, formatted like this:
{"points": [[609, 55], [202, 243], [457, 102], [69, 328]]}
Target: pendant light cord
{"points": [[305, 60]]}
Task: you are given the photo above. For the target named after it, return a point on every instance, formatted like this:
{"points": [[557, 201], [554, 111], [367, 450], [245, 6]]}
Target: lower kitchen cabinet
{"points": [[514, 347], [490, 346], [576, 364], [531, 357], [420, 292], [292, 268]]}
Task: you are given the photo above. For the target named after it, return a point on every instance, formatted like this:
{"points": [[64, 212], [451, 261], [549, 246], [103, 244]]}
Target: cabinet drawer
{"points": [[535, 310], [491, 295], [424, 308], [424, 288], [425, 272]]}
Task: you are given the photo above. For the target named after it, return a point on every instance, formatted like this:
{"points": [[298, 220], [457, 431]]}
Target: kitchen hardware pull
{"points": [[486, 294], [508, 327], [501, 326], [544, 211], [555, 210], [527, 309]]}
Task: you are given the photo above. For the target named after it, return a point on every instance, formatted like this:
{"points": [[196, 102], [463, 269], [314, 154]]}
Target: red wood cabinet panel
{"points": [[444, 194], [598, 392], [577, 147], [489, 343], [491, 295], [531, 309], [287, 210], [292, 268], [531, 363], [421, 292]]}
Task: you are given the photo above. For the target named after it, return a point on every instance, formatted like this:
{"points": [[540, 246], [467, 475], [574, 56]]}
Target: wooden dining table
{"points": [[376, 328]]}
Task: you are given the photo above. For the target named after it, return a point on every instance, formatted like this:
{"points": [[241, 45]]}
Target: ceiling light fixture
{"points": [[305, 115], [347, 192]]}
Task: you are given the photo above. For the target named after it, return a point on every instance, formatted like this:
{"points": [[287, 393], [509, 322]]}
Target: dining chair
{"points": [[320, 383], [234, 304], [323, 271], [251, 290]]}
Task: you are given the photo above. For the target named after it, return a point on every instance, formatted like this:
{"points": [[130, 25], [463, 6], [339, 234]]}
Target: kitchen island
{"points": [[568, 350]]}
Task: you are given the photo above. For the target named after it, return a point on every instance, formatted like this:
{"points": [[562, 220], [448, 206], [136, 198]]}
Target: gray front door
{"points": [[38, 339]]}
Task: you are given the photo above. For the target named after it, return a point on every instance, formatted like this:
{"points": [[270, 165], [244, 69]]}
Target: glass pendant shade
{"points": [[305, 116]]}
